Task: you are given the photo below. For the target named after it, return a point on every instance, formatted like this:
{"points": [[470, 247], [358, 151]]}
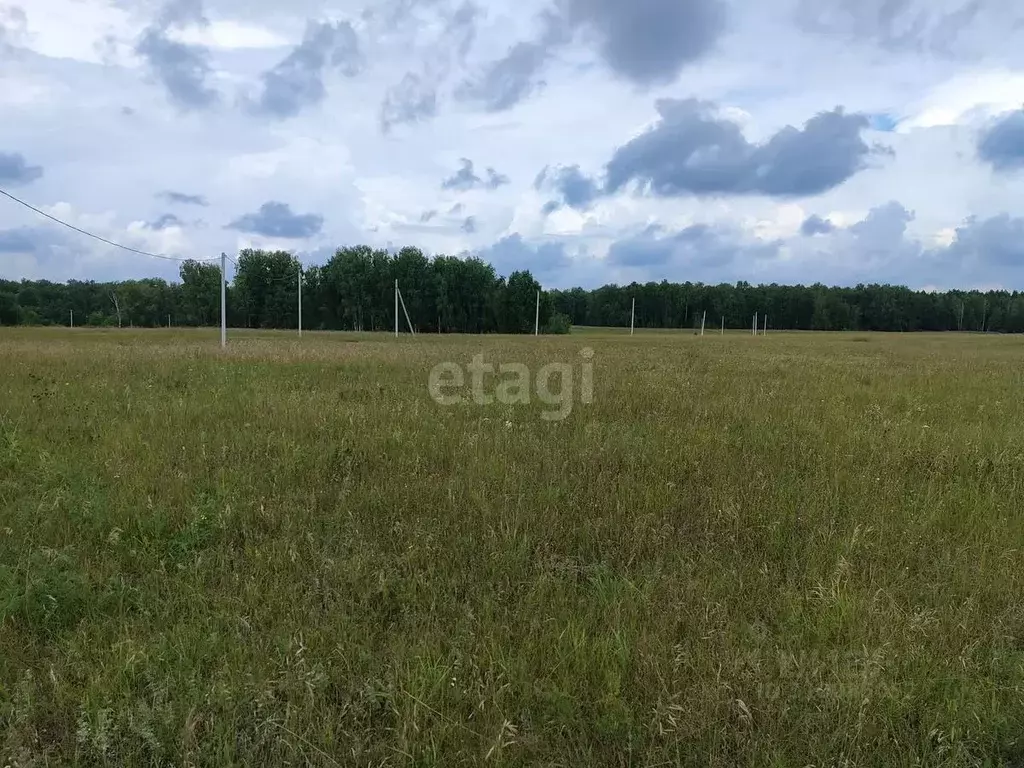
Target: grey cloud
{"points": [[987, 250], [463, 179], [460, 32], [884, 222], [412, 100], [180, 13], [276, 219], [876, 249], [19, 240], [893, 24], [14, 169], [182, 69], [469, 225], [815, 225], [183, 199], [997, 241], [574, 188], [466, 179], [650, 41], [647, 42], [495, 179], [510, 79], [427, 216], [699, 245], [692, 151], [456, 209], [165, 221], [550, 207], [297, 81], [414, 97], [13, 26], [52, 253], [1002, 144], [513, 253]]}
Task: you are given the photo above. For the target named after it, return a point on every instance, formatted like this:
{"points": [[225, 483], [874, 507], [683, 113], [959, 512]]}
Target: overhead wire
{"points": [[95, 236]]}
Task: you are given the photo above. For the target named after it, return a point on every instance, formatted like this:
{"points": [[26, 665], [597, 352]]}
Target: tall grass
{"points": [[785, 551]]}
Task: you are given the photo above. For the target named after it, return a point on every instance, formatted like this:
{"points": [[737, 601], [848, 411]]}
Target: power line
{"points": [[95, 237]]}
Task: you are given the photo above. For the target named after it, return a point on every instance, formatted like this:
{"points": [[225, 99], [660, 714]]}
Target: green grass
{"points": [[803, 549]]}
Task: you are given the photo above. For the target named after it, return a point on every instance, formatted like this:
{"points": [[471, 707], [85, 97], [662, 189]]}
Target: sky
{"points": [[589, 141]]}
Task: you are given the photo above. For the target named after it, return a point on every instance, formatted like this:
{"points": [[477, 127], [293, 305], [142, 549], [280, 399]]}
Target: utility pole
{"points": [[632, 317], [703, 320], [300, 301], [723, 325], [396, 308], [72, 318], [536, 320], [223, 302]]}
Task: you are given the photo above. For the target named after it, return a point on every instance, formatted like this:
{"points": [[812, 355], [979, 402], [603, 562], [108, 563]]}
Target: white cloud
{"points": [[230, 35], [969, 97], [75, 29]]}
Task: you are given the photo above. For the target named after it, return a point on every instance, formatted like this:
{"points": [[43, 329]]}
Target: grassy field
{"points": [[797, 550]]}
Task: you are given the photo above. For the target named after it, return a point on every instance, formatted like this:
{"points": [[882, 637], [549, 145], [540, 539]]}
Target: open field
{"points": [[797, 550]]}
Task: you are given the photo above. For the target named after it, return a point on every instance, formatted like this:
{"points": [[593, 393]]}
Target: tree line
{"points": [[354, 290]]}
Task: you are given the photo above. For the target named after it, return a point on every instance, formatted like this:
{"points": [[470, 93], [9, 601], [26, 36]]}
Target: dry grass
{"points": [[790, 551]]}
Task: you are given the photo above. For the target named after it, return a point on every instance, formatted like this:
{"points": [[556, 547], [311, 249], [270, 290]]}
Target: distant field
{"points": [[796, 550]]}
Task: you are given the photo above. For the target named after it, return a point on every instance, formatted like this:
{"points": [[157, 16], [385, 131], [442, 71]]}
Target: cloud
{"points": [[183, 199], [466, 179], [277, 220], [815, 225], [996, 241], [495, 179], [456, 209], [469, 225], [693, 151], [884, 226], [648, 42], [696, 246], [513, 253], [895, 25], [182, 69], [507, 81], [17, 240], [426, 216], [165, 221], [297, 81], [13, 26], [415, 97], [572, 186], [1001, 144], [463, 179], [412, 100], [14, 170]]}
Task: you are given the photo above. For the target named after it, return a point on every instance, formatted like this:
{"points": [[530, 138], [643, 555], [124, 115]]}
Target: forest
{"points": [[354, 290]]}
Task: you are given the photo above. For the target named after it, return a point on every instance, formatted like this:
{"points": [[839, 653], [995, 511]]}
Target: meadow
{"points": [[796, 550]]}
